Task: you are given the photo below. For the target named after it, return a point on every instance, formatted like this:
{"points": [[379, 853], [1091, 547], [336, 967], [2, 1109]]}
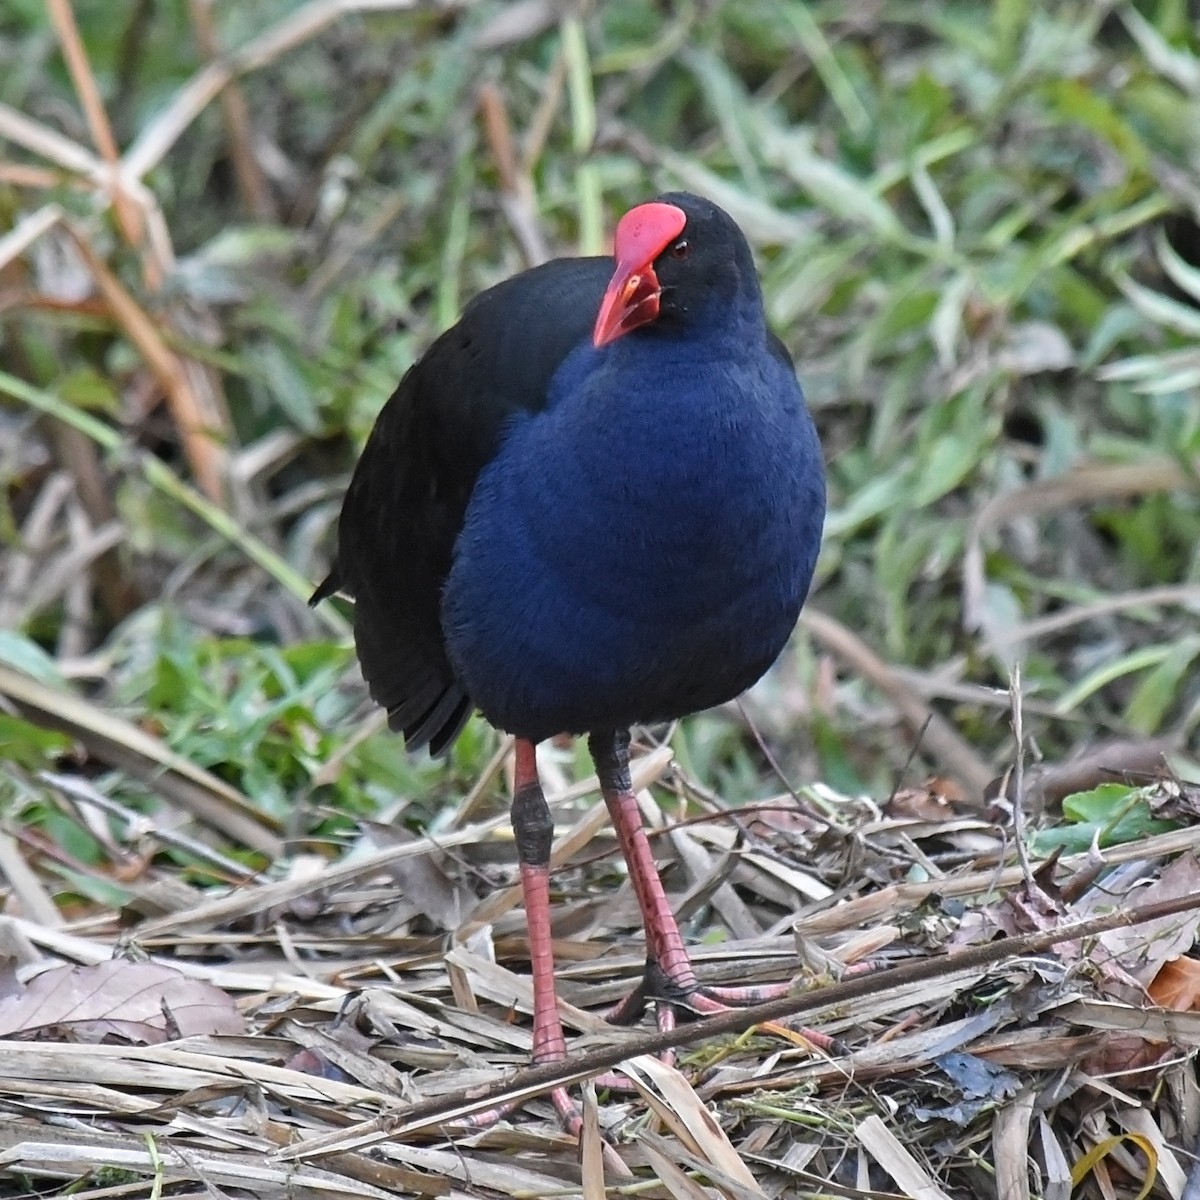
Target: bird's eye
{"points": [[681, 248]]}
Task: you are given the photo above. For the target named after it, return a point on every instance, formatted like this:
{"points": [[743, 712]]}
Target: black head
{"points": [[679, 259]]}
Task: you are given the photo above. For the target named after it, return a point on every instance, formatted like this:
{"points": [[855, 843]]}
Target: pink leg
{"points": [[534, 832], [664, 943], [670, 977], [548, 1041]]}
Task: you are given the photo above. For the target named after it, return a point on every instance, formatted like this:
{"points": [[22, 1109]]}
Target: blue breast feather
{"points": [[641, 548]]}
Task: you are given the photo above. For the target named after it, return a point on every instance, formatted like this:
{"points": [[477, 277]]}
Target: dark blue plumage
{"points": [[576, 537], [639, 549]]}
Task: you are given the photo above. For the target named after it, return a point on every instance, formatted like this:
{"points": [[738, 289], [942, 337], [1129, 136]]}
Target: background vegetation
{"points": [[229, 228]]}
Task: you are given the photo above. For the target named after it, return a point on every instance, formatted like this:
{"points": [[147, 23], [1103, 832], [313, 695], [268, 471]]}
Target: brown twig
{"points": [[23, 175], [129, 217], [1084, 485], [516, 187], [252, 184], [200, 428]]}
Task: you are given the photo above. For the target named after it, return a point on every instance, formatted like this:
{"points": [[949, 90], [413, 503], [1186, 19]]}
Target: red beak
{"points": [[643, 233]]}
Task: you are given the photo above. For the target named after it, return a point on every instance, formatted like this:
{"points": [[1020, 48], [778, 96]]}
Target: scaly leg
{"points": [[533, 829], [670, 980]]}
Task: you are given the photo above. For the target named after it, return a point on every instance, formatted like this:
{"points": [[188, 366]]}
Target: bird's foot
{"points": [[678, 996], [669, 980], [569, 1117]]}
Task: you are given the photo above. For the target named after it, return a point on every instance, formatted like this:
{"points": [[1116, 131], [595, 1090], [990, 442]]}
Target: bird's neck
{"points": [[658, 361], [720, 331]]}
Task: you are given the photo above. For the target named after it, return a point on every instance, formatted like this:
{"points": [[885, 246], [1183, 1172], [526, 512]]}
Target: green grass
{"points": [[976, 225]]}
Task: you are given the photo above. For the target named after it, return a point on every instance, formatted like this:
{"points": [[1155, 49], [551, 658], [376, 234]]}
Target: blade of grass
{"points": [[820, 53], [301, 26], [161, 477], [27, 231], [583, 134], [49, 143]]}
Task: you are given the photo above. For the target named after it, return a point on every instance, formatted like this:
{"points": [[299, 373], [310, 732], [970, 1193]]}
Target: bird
{"points": [[595, 502]]}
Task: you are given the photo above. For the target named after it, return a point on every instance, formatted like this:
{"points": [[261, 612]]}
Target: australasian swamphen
{"points": [[595, 502]]}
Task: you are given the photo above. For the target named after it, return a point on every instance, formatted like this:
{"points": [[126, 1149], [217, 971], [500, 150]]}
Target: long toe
{"points": [[569, 1117], [743, 995], [723, 999], [568, 1111], [674, 1002]]}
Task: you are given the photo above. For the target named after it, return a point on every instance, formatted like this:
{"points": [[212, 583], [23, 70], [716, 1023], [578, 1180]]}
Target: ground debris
{"points": [[343, 1020]]}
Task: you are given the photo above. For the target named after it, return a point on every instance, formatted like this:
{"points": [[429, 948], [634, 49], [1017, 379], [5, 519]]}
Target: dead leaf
{"points": [[678, 1182], [129, 1001], [672, 1097], [1033, 906], [420, 879], [1142, 950], [1177, 985], [1175, 799], [937, 799], [1131, 1058]]}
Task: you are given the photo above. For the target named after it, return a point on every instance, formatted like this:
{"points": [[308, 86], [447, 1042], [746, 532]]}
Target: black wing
{"points": [[408, 497], [780, 351]]}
